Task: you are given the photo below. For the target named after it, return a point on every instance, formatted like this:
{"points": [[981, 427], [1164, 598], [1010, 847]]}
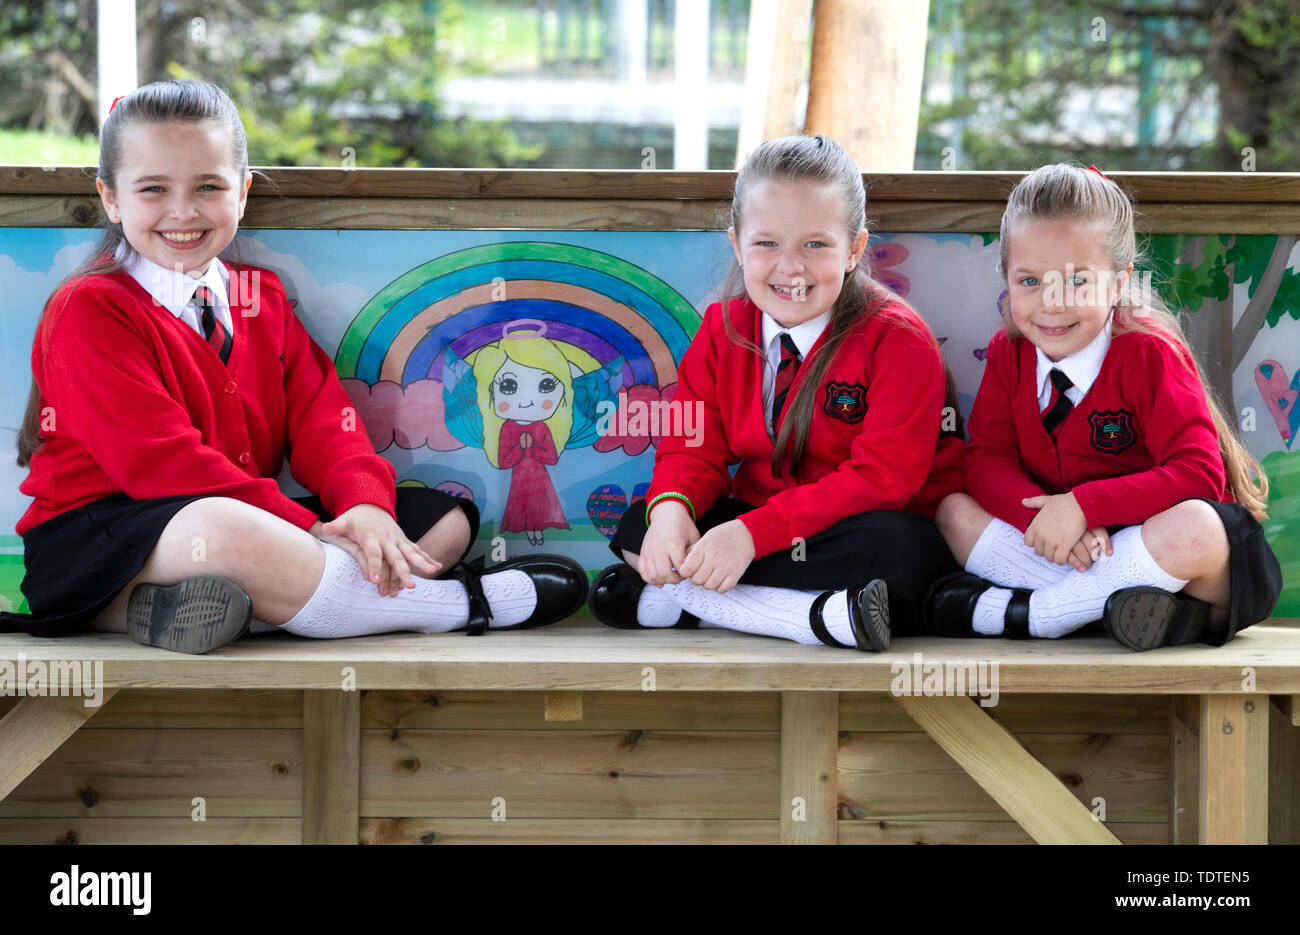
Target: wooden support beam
{"points": [[331, 767], [563, 706], [35, 728], [995, 759], [1283, 775], [809, 744], [1219, 769]]}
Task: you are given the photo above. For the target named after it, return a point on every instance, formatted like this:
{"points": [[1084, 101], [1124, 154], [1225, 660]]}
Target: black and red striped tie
{"points": [[212, 329], [785, 372], [1059, 409]]}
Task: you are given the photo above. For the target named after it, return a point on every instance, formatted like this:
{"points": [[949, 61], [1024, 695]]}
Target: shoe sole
{"points": [[194, 617], [876, 623], [1141, 620]]}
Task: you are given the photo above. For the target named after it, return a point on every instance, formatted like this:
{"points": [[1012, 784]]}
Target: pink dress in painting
{"points": [[531, 503]]}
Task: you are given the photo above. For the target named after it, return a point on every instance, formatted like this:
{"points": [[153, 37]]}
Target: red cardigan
{"points": [[1141, 440], [873, 444], [134, 401]]}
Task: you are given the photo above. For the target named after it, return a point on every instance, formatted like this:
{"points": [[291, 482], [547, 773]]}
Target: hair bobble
{"points": [[1098, 171], [114, 104]]}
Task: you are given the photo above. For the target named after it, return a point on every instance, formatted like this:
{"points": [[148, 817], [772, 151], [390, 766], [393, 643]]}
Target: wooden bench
{"points": [[377, 762], [551, 735]]}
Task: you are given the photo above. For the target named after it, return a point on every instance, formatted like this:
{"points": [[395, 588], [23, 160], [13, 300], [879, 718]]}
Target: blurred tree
{"points": [[1035, 83], [317, 82]]}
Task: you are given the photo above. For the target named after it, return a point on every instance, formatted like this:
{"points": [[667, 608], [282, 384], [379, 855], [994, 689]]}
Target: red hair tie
{"points": [[114, 104], [1098, 171]]}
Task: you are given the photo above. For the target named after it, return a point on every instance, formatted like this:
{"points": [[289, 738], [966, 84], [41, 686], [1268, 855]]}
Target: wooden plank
{"points": [[605, 710], [993, 757], [975, 832], [954, 216], [1184, 770], [809, 745], [1283, 778], [1024, 714], [568, 831], [191, 708], [35, 728], [150, 831], [1233, 731], [331, 769], [584, 656], [152, 773], [569, 774], [1145, 187], [907, 776], [562, 706]]}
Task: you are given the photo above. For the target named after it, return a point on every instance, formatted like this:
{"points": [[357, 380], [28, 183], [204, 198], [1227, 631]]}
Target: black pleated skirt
{"points": [[77, 562]]}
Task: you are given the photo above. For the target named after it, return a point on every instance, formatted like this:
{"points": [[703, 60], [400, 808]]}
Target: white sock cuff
{"points": [[1129, 540], [979, 553]]}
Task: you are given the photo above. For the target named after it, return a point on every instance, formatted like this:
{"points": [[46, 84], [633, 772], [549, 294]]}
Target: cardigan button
{"points": [[231, 386], [245, 457]]}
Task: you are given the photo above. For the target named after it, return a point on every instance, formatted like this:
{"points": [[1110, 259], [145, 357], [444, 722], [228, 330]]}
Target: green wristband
{"points": [[670, 494]]}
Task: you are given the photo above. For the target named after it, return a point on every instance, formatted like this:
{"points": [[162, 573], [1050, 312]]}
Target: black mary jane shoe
{"points": [[868, 616], [614, 597], [560, 582], [195, 616], [1146, 618], [949, 608]]}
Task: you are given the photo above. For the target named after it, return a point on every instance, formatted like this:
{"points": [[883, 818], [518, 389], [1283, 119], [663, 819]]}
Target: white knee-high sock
{"points": [[346, 604], [780, 612], [1001, 556], [1080, 597]]}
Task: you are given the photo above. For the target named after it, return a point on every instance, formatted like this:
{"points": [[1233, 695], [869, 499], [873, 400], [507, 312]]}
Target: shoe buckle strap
{"points": [[470, 575]]}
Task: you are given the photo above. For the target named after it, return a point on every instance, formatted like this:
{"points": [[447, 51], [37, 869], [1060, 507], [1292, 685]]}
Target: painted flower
{"points": [[883, 257]]}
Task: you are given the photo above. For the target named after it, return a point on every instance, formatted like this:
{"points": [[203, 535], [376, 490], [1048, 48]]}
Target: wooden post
{"points": [[774, 73], [1219, 770], [809, 748], [35, 728], [864, 89], [331, 767]]}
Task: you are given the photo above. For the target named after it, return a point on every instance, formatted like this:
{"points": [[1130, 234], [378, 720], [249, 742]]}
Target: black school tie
{"points": [[785, 372], [212, 330], [1061, 408]]}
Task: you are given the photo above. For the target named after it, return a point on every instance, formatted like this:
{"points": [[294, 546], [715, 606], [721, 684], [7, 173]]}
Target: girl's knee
{"points": [[959, 516], [448, 539], [1191, 528]]}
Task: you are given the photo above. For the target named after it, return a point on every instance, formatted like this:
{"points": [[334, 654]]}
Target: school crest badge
{"points": [[1112, 431], [846, 401]]}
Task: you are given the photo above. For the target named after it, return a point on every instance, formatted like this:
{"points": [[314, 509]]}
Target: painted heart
{"points": [[606, 506], [1281, 398]]}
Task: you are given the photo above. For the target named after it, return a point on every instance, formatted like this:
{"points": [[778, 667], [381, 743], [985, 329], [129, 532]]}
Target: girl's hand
{"points": [[378, 544], [525, 442], [720, 557], [664, 548], [1058, 526], [1090, 548]]}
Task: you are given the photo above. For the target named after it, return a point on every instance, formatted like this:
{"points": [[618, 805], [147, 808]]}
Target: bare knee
{"points": [[1188, 539], [961, 521]]}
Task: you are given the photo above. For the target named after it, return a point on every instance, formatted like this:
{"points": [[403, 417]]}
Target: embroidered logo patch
{"points": [[846, 401], [1112, 431]]}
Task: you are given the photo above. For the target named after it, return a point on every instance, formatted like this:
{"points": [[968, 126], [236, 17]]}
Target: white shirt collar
{"points": [[1082, 367], [805, 335], [173, 290]]}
